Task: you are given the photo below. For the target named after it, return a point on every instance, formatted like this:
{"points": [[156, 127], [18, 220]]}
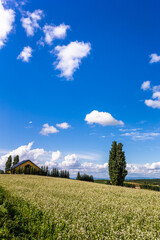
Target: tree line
{"points": [[84, 177], [54, 172]]}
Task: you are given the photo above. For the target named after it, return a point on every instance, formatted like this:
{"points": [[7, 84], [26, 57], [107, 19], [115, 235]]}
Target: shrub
{"points": [[150, 187], [130, 185]]}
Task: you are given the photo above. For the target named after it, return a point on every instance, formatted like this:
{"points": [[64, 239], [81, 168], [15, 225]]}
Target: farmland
{"points": [[82, 210]]}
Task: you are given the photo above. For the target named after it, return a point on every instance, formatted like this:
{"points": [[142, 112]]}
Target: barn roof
{"points": [[20, 163]]}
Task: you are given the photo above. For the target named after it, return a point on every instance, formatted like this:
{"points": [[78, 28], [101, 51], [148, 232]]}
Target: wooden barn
{"points": [[25, 166]]}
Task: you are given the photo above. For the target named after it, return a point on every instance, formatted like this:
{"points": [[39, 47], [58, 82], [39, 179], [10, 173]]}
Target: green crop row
{"points": [[19, 220]]}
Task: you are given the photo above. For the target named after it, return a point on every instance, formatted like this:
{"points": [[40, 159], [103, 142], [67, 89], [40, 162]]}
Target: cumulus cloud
{"points": [[154, 58], [63, 125], [30, 21], [146, 85], [25, 152], [70, 161], [154, 102], [94, 168], [46, 130], [55, 32], [69, 57], [102, 118], [7, 18], [55, 157], [156, 95], [149, 169], [26, 54]]}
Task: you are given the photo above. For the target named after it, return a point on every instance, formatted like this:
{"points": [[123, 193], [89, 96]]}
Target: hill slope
{"points": [[89, 210]]}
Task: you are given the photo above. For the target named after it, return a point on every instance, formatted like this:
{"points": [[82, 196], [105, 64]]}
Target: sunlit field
{"points": [[82, 210]]}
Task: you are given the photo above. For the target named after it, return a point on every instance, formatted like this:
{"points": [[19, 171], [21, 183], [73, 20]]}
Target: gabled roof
{"points": [[20, 163], [16, 165]]}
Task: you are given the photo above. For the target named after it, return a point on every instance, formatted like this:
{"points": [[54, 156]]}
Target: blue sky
{"points": [[93, 66]]}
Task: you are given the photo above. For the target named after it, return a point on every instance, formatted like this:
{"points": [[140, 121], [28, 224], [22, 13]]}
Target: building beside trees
{"points": [[117, 164], [25, 166], [28, 167]]}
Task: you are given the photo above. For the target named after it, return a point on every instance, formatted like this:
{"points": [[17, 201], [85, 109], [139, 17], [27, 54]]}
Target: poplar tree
{"points": [[117, 164], [8, 164], [78, 176], [16, 160]]}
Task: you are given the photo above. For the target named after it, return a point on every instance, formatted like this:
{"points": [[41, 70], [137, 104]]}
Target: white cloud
{"points": [[152, 103], [156, 95], [148, 169], [63, 125], [46, 130], [146, 85], [53, 162], [30, 21], [25, 152], [129, 130], [154, 58], [94, 168], [26, 54], [156, 88], [7, 18], [55, 32], [136, 135], [70, 161], [56, 156], [102, 118], [69, 57]]}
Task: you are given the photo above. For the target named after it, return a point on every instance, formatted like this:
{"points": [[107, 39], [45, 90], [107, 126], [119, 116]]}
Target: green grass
{"points": [[82, 210]]}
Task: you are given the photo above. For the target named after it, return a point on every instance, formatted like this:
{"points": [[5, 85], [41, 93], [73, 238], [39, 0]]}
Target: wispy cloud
{"points": [[136, 135]]}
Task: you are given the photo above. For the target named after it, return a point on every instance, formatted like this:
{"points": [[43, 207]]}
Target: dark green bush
{"points": [[130, 185], [150, 187]]}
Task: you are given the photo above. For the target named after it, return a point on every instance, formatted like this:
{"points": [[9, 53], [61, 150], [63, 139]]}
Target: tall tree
{"points": [[78, 176], [117, 164], [16, 160], [8, 164]]}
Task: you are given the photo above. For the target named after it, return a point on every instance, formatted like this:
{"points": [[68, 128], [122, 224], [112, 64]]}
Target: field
{"points": [[57, 208], [146, 181]]}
